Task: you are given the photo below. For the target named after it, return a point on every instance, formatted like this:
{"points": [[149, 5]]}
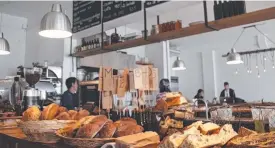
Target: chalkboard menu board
{"points": [[153, 3], [86, 14], [116, 9]]}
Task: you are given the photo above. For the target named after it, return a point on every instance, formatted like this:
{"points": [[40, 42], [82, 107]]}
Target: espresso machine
{"points": [[31, 95]]}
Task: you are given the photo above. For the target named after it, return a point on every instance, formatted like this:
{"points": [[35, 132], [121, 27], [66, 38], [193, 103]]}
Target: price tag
{"points": [[121, 87]]}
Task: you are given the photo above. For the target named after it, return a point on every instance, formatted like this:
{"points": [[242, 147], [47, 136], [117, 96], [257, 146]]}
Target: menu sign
{"points": [[116, 9], [86, 14], [153, 3]]}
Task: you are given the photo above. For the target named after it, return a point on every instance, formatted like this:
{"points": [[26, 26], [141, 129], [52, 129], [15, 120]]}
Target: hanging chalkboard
{"points": [[116, 9], [153, 3], [86, 14]]}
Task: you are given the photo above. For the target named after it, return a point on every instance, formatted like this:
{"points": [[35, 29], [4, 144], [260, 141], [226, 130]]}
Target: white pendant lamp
{"points": [[234, 58], [55, 24], [4, 46], [178, 65]]}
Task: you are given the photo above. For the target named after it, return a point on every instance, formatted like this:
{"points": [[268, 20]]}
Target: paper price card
{"points": [[138, 78], [107, 79]]}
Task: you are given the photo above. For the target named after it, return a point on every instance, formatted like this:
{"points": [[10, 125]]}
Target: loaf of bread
{"points": [[89, 130], [226, 133], [108, 130], [63, 116], [125, 122], [172, 141], [161, 106], [208, 128], [31, 114], [200, 141], [50, 112], [128, 130], [140, 140], [62, 109], [195, 124], [245, 132]]}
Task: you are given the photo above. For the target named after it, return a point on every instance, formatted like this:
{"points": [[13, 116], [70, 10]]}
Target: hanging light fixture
{"points": [[234, 58], [55, 24], [178, 65], [4, 44]]}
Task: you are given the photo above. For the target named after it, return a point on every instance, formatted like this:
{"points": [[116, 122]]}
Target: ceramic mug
{"points": [[109, 145]]}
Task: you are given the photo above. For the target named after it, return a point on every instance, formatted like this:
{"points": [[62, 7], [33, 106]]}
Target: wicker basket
{"points": [[43, 131], [85, 142]]}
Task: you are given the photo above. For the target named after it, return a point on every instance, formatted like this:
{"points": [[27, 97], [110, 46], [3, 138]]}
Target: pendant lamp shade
{"points": [[55, 24], [178, 65], [234, 58], [4, 46]]}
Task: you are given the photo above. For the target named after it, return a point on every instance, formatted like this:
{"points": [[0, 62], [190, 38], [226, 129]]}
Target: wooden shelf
{"points": [[248, 18], [84, 83]]}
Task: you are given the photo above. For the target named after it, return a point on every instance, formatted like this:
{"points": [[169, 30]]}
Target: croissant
{"points": [[63, 116]]}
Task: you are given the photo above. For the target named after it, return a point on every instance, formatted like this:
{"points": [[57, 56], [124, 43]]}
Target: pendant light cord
{"points": [[264, 34], [238, 38], [1, 23]]}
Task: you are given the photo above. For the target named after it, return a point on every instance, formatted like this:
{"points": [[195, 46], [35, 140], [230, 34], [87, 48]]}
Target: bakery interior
{"points": [[181, 74]]}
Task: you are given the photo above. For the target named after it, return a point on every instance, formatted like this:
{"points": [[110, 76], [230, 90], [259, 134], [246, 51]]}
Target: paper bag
{"points": [[153, 79], [126, 78], [138, 78], [107, 79], [115, 83], [145, 77], [121, 86], [131, 82], [107, 100]]}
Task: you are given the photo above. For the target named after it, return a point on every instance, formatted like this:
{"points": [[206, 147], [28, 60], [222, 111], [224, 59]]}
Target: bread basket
{"points": [[44, 130], [84, 142]]}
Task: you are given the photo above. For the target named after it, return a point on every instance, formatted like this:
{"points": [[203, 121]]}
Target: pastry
{"points": [[89, 130], [63, 116], [31, 114], [108, 130], [208, 128], [50, 112], [196, 125], [72, 114], [140, 140], [200, 141], [81, 114]]}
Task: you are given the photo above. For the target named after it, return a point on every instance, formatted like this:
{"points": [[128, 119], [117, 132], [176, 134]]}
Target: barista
{"points": [[228, 93], [69, 98]]}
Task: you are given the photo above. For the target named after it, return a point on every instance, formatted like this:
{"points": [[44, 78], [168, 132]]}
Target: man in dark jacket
{"points": [[228, 93], [69, 98]]}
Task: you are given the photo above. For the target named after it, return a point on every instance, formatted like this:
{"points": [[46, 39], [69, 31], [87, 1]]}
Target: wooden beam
{"points": [[247, 18]]}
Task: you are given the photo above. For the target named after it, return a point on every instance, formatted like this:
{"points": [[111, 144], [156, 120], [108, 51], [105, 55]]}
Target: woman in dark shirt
{"points": [[199, 96]]}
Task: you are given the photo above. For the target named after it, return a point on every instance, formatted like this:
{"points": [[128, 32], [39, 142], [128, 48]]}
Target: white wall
{"points": [[247, 86], [14, 32]]}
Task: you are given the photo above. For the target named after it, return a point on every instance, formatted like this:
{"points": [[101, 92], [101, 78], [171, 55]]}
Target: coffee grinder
{"points": [[31, 96]]}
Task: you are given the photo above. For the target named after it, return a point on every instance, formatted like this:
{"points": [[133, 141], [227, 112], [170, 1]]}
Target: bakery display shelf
{"points": [[84, 83], [247, 18], [112, 47]]}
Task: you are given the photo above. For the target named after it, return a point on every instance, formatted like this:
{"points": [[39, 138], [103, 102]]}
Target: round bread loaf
{"points": [[50, 112], [128, 130], [31, 114]]}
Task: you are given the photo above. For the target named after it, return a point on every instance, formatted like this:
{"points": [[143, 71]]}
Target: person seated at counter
{"points": [[199, 96], [228, 93], [69, 98]]}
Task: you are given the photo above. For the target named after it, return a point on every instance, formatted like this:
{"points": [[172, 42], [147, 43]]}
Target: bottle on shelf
{"points": [[220, 9], [92, 44], [97, 43], [82, 44], [216, 13]]}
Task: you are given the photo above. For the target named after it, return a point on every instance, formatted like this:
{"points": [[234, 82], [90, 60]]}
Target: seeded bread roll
{"points": [[108, 130], [50, 112]]}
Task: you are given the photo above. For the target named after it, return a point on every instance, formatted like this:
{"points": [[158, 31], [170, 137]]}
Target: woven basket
{"points": [[85, 142], [43, 131]]}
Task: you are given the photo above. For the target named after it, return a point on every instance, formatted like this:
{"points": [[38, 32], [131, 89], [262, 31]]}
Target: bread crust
{"points": [[50, 112], [31, 114]]}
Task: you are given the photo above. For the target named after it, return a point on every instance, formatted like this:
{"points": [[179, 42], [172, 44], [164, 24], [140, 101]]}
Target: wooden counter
{"points": [[15, 138]]}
